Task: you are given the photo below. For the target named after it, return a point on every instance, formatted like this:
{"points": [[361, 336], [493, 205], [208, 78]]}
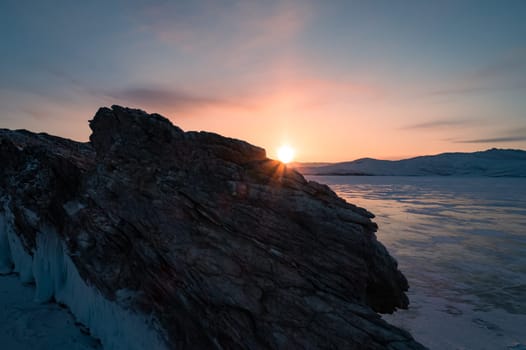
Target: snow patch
{"points": [[72, 207], [31, 217]]}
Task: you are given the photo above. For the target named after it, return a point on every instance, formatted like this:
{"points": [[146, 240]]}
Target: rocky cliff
{"points": [[159, 238]]}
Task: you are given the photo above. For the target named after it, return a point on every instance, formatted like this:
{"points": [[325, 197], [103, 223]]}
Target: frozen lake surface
{"points": [[28, 325], [461, 242]]}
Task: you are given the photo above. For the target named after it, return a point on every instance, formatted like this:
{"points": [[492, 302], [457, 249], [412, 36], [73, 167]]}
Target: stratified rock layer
{"points": [[217, 244]]}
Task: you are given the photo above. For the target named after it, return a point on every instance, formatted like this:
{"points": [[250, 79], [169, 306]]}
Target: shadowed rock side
{"points": [[224, 247]]}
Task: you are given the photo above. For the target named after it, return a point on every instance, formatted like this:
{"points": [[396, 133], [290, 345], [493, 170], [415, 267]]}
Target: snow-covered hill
{"points": [[493, 162]]}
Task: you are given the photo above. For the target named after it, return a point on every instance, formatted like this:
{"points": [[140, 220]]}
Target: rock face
{"points": [[201, 239]]}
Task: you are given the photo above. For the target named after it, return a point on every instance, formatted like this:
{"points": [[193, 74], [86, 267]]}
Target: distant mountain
{"points": [[493, 162]]}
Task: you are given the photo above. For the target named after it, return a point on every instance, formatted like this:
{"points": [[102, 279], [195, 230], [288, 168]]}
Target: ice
{"points": [[25, 324], [56, 277], [116, 327], [6, 261], [22, 261], [48, 266], [460, 242]]}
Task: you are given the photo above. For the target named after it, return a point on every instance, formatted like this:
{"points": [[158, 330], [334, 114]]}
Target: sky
{"points": [[335, 80]]}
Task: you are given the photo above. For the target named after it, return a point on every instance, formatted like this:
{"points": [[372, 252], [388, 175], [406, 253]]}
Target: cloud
{"points": [[473, 89], [495, 139], [511, 63], [245, 53], [439, 124], [173, 99], [511, 135], [66, 81], [224, 26], [283, 21], [460, 90], [506, 72]]}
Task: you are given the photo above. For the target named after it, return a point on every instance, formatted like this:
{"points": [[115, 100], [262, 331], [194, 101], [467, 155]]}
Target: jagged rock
{"points": [[159, 238]]}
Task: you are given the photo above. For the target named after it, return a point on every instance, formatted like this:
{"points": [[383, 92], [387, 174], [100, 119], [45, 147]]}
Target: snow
{"points": [[444, 324], [56, 277], [72, 207], [488, 163], [460, 241], [31, 217]]}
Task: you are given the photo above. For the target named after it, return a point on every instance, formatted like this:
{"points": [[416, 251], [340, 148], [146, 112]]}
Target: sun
{"points": [[285, 154]]}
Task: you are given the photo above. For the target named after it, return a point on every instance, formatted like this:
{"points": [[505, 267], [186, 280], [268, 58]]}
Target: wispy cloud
{"points": [[472, 89], [251, 50], [172, 99], [460, 90], [506, 72], [510, 135], [494, 140], [224, 26], [510, 63], [441, 123]]}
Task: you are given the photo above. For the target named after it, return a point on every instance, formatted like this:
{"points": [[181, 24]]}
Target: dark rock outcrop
{"points": [[221, 247]]}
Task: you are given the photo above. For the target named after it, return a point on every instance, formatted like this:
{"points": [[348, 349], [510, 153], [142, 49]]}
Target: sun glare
{"points": [[285, 154]]}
